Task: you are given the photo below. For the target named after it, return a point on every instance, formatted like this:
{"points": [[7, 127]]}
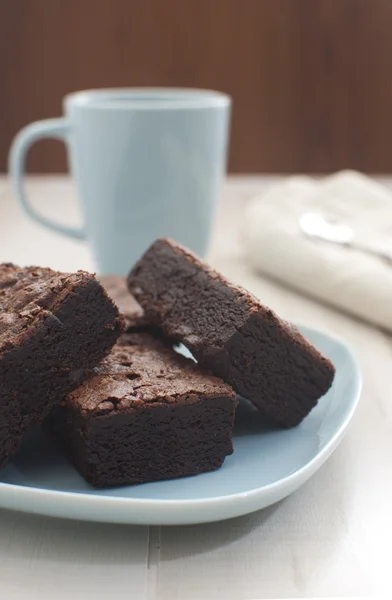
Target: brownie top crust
{"points": [[142, 369], [30, 294]]}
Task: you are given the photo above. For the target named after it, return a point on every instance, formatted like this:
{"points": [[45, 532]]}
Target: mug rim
{"points": [[147, 98]]}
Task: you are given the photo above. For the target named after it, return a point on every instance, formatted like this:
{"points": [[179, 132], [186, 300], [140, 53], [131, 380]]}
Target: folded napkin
{"points": [[349, 279]]}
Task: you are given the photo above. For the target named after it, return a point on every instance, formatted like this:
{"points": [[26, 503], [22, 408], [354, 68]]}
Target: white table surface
{"points": [[332, 538]]}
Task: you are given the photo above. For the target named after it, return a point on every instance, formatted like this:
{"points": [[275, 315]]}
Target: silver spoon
{"points": [[330, 230]]}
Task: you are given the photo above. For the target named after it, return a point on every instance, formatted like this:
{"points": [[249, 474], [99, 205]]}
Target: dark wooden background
{"points": [[311, 79]]}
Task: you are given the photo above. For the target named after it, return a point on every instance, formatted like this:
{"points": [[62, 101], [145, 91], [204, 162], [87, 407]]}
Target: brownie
{"points": [[54, 328], [146, 414], [230, 332], [133, 313]]}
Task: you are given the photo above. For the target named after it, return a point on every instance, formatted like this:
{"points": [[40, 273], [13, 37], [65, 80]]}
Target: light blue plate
{"points": [[266, 466]]}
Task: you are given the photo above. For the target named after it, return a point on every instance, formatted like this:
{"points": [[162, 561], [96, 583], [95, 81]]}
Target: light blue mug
{"points": [[147, 163]]}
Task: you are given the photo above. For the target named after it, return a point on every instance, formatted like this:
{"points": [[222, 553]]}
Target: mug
{"points": [[147, 163]]}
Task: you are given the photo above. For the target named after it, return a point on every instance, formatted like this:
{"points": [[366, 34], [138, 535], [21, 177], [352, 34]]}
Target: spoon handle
{"points": [[383, 254]]}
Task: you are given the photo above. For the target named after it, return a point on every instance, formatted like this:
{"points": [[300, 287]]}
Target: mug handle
{"points": [[49, 128]]}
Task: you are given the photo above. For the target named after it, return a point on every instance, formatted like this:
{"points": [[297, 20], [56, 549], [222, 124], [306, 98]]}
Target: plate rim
{"points": [[28, 496]]}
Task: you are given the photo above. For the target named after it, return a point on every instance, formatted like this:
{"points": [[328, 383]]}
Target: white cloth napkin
{"points": [[348, 279]]}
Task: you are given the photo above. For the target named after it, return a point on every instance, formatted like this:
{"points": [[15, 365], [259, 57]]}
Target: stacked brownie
{"points": [[264, 358], [145, 414], [128, 408], [54, 328]]}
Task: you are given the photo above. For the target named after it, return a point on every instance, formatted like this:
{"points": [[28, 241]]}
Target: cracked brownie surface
{"points": [[146, 413]]}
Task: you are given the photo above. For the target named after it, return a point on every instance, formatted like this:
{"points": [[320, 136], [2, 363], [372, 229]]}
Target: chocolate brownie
{"points": [[146, 414], [133, 313], [230, 332], [54, 328]]}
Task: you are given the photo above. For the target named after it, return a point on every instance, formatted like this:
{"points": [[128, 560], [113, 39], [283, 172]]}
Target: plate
{"points": [[267, 465]]}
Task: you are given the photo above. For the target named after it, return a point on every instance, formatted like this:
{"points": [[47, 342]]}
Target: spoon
{"points": [[330, 230]]}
